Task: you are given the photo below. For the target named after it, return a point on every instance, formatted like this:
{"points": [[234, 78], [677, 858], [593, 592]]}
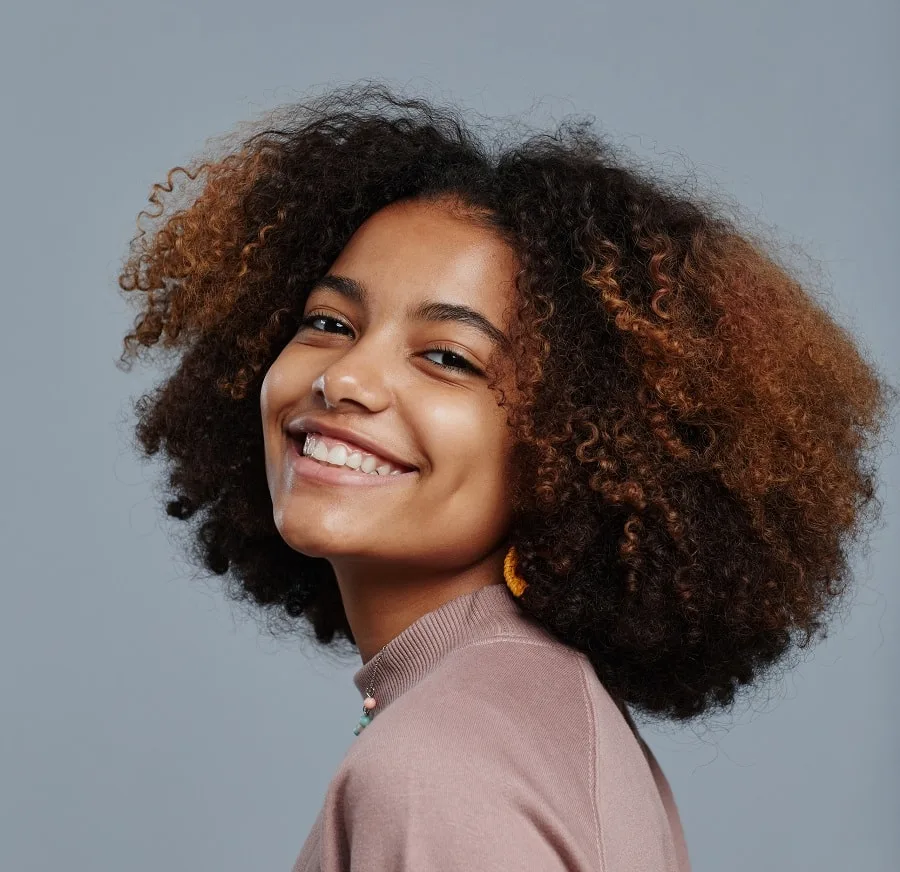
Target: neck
{"points": [[381, 602]]}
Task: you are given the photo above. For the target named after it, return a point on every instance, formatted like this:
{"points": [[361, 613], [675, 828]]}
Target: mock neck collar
{"points": [[484, 613]]}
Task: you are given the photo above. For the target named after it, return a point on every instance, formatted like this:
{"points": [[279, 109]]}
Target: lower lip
{"points": [[315, 471]]}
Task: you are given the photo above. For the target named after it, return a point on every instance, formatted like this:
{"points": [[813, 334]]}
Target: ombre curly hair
{"points": [[694, 431]]}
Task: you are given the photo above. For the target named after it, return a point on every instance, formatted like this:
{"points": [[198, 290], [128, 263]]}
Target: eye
{"points": [[320, 316], [459, 364], [462, 363]]}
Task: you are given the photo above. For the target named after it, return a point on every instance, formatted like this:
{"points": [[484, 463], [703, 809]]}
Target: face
{"points": [[403, 384]]}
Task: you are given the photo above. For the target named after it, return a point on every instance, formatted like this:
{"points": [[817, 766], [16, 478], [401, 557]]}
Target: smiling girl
{"points": [[536, 437]]}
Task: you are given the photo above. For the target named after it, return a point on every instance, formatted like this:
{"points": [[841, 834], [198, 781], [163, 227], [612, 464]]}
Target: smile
{"points": [[337, 453], [328, 461]]}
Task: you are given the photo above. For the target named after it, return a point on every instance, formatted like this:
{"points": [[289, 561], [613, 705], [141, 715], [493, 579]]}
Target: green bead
{"points": [[365, 720]]}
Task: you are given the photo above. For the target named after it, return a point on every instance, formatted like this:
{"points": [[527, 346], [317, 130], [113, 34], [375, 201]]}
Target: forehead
{"points": [[413, 250]]}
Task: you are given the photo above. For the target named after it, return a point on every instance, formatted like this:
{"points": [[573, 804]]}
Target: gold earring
{"points": [[514, 582]]}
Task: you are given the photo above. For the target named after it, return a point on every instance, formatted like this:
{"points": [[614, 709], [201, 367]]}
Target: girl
{"points": [[537, 436]]}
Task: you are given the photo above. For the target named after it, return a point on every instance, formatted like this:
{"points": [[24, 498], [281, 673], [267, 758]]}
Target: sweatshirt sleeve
{"points": [[447, 815]]}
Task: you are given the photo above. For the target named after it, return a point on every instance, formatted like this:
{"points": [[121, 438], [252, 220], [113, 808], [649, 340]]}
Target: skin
{"points": [[403, 549]]}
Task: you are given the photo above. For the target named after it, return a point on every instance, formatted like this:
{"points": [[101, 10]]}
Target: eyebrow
{"points": [[427, 310]]}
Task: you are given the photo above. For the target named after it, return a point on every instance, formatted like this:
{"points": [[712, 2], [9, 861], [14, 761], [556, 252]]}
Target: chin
{"points": [[308, 536]]}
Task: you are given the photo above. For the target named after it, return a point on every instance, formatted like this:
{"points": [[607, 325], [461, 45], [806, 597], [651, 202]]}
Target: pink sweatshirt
{"points": [[493, 747]]}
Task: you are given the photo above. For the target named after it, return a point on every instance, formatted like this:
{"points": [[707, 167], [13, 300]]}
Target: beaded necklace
{"points": [[369, 702], [514, 582]]}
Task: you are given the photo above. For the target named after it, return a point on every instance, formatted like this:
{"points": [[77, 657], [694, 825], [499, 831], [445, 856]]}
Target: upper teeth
{"points": [[340, 455]]}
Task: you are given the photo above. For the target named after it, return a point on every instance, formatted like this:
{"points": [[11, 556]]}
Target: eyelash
{"points": [[466, 366]]}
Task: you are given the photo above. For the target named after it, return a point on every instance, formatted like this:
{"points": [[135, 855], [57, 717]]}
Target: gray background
{"points": [[147, 724]]}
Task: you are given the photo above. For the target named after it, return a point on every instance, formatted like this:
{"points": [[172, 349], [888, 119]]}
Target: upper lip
{"points": [[310, 424]]}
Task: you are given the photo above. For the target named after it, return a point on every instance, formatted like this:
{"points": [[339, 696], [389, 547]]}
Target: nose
{"points": [[359, 376]]}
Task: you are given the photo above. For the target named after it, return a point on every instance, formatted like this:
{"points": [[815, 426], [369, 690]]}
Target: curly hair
{"points": [[693, 430]]}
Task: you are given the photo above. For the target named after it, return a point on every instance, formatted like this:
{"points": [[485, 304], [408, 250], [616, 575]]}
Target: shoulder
{"points": [[516, 742], [505, 722], [486, 760], [529, 700], [492, 692], [531, 689]]}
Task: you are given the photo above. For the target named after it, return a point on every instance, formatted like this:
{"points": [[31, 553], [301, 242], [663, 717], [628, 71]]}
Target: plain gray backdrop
{"points": [[148, 724]]}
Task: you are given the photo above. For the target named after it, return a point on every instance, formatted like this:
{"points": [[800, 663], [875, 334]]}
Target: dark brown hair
{"points": [[693, 433]]}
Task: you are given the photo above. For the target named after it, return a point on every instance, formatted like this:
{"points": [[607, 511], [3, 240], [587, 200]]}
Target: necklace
{"points": [[514, 582], [369, 702]]}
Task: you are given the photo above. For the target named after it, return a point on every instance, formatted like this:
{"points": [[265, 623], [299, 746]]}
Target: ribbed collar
{"points": [[481, 614]]}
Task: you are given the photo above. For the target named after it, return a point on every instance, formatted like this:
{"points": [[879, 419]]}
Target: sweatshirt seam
{"points": [[601, 853], [586, 698], [504, 637]]}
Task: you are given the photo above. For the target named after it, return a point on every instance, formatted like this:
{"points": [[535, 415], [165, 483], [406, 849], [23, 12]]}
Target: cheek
{"points": [[276, 386], [286, 382], [278, 391], [484, 507], [470, 451]]}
